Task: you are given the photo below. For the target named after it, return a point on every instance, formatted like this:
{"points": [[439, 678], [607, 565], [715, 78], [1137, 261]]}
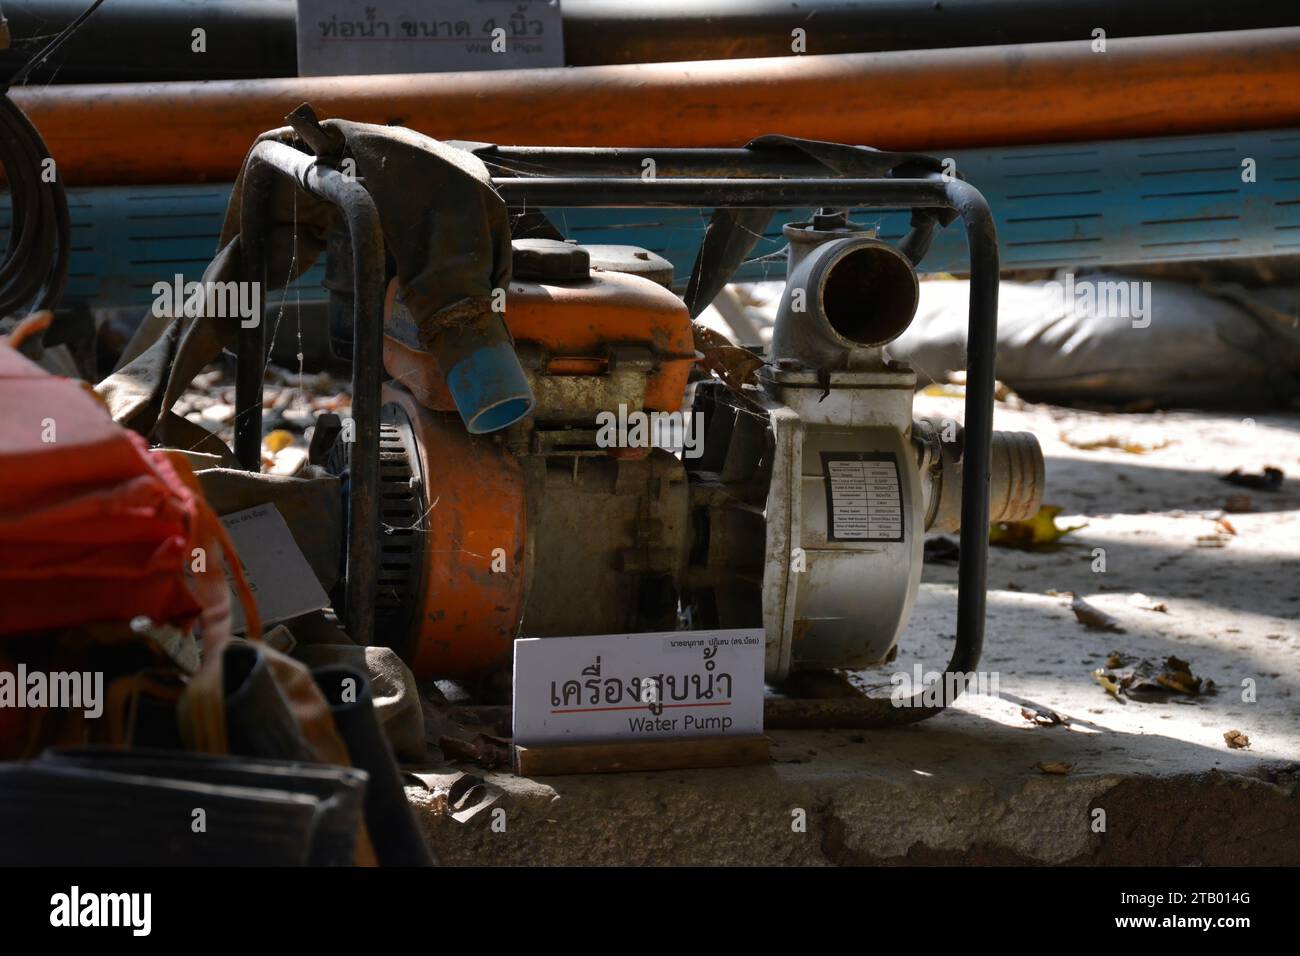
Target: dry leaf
{"points": [[1055, 767], [1043, 718], [731, 363], [1268, 480], [1145, 679], [1238, 504], [1147, 603], [1177, 675], [1092, 618], [484, 750], [289, 462], [1236, 740]]}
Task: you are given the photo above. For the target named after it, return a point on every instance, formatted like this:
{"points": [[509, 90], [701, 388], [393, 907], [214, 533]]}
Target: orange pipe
{"points": [[922, 99]]}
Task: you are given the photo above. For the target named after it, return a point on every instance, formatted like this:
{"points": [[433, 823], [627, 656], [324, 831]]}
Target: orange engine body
{"points": [[457, 560], [465, 522]]}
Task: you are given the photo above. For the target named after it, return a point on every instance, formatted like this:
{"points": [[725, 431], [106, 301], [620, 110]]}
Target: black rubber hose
{"points": [[393, 830], [34, 270], [35, 266], [339, 790]]}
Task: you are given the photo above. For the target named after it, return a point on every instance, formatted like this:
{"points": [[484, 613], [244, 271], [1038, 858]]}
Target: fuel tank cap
{"points": [[549, 260], [632, 260]]}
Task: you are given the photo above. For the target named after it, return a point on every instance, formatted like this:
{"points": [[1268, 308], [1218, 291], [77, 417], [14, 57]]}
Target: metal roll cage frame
{"points": [[538, 177]]}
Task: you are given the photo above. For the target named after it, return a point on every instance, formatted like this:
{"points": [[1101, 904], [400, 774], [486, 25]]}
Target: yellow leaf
{"points": [[278, 440], [1040, 531], [1114, 441], [1105, 680]]}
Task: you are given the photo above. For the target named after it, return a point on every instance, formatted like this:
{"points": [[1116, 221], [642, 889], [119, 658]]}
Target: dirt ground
{"points": [[1230, 580]]}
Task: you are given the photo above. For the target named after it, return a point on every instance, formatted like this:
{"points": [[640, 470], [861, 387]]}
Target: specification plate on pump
{"points": [[864, 500]]}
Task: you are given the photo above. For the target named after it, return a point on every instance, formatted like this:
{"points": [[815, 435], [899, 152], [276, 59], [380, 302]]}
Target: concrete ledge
{"points": [[922, 796]]}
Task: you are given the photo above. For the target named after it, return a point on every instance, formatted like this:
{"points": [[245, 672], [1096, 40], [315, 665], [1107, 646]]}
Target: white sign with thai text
{"points": [[283, 583], [638, 686]]}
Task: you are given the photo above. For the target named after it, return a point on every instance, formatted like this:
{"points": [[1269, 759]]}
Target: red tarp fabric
{"points": [[93, 527]]}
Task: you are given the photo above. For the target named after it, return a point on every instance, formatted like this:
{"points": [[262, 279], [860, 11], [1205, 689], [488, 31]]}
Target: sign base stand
{"points": [[623, 756]]}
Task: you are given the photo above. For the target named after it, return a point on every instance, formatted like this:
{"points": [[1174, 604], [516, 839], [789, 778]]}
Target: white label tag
{"points": [[282, 582], [638, 686], [863, 498], [356, 37]]}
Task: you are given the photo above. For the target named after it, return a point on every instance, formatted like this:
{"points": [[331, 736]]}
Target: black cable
{"points": [[34, 270], [48, 50]]}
